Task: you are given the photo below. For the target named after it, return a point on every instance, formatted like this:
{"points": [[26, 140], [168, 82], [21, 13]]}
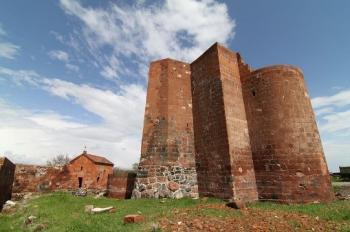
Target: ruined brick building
{"points": [[216, 127], [86, 170]]}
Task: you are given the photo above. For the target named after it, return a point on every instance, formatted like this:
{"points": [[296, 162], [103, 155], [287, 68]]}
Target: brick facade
{"points": [[288, 157], [167, 150], [87, 171], [121, 186], [7, 171], [232, 131], [223, 155]]}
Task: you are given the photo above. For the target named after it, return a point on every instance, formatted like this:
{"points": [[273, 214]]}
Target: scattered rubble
{"points": [[133, 218], [340, 196], [248, 220], [92, 210], [80, 192], [100, 194], [29, 220]]}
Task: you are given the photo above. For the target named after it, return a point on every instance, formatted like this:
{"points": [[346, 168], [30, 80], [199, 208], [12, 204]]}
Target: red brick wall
{"points": [[288, 157], [121, 186], [167, 142], [35, 178], [95, 176], [254, 132], [223, 156], [168, 134], [7, 170]]}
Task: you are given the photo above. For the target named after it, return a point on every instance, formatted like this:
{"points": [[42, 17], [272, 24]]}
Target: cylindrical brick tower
{"points": [[287, 152], [167, 166]]}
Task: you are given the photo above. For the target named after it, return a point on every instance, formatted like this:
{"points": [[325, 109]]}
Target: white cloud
{"points": [[7, 50], [2, 31], [59, 55], [337, 154], [340, 99], [33, 136], [333, 114], [19, 77], [180, 29], [72, 67]]}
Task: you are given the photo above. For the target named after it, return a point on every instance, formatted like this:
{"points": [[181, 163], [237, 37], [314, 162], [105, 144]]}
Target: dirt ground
{"points": [[195, 219]]}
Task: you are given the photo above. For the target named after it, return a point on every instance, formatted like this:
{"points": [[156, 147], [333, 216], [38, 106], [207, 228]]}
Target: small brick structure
{"points": [[219, 128], [90, 171], [86, 171], [7, 171], [121, 186]]}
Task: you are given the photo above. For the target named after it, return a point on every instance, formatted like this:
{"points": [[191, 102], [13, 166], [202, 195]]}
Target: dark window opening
{"points": [[80, 179], [81, 168], [98, 178], [253, 92]]}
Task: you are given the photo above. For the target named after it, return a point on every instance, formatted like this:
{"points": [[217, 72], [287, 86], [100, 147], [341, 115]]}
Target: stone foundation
{"points": [[157, 181]]}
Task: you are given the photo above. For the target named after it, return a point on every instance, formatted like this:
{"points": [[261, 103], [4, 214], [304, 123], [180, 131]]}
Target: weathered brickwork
{"points": [[7, 171], [35, 178], [219, 128], [87, 171], [223, 155], [167, 149], [121, 186], [287, 150]]}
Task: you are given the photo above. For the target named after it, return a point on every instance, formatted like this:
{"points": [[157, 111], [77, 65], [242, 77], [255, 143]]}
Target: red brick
{"points": [[133, 218]]}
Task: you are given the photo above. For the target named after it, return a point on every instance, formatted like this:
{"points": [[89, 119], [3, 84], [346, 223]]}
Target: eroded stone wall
{"points": [[223, 155], [254, 132], [288, 157], [7, 171], [167, 141], [121, 186], [36, 178]]}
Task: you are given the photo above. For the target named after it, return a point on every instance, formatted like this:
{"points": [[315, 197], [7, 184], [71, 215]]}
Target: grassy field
{"points": [[63, 212]]}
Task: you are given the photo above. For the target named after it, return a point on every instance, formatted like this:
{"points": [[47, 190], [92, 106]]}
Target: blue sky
{"points": [[74, 73]]}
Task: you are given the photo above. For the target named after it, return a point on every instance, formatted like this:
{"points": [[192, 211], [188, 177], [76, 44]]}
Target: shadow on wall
{"points": [[120, 184]]}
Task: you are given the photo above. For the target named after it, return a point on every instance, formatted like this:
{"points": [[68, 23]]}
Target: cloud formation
{"points": [[333, 114], [7, 50], [59, 55], [32, 136], [181, 29]]}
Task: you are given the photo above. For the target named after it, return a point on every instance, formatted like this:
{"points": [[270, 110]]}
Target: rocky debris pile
{"points": [[9, 207], [166, 182], [342, 197], [247, 220], [100, 194], [81, 192]]}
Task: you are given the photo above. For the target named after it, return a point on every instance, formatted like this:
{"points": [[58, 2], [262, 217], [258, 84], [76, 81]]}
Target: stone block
{"points": [[133, 218]]}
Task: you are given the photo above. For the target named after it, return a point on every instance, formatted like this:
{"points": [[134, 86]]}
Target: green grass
{"points": [[336, 211], [64, 212]]}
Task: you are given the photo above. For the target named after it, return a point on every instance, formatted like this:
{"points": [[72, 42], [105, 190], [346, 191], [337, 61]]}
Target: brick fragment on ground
{"points": [[133, 218]]}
